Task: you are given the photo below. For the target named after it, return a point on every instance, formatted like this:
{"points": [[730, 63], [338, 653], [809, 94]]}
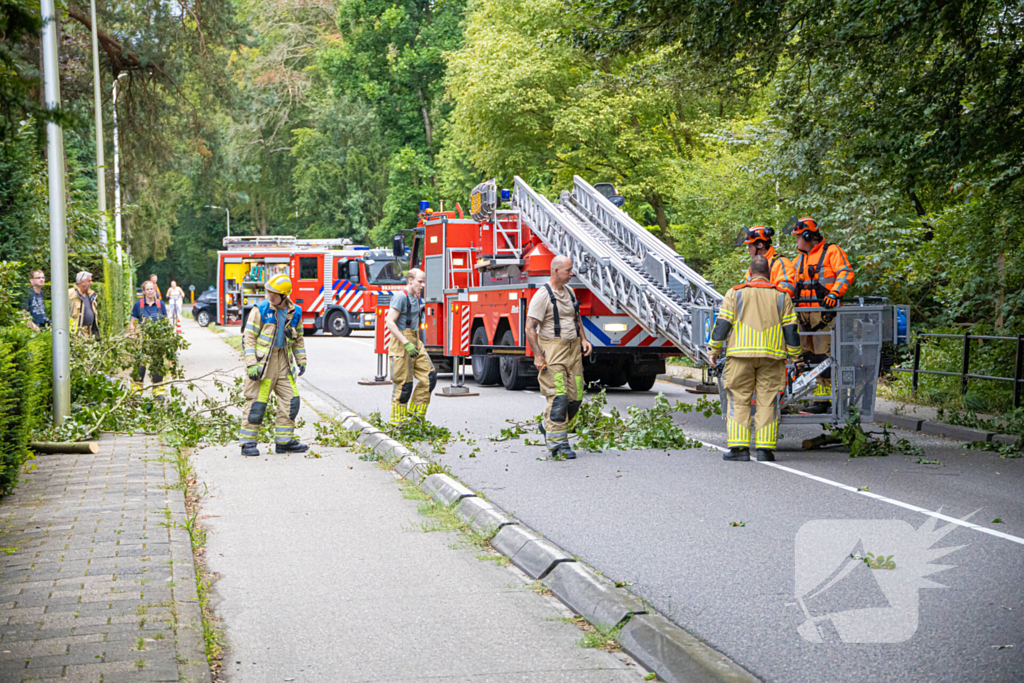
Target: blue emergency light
{"points": [[506, 195], [424, 205]]}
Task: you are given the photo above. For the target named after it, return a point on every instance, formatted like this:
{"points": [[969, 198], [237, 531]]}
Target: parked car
{"points": [[204, 311]]}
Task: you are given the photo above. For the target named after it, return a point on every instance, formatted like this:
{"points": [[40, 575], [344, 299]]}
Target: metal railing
{"points": [[965, 363]]}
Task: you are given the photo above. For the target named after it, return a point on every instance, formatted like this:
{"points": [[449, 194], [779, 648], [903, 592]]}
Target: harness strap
{"points": [[554, 311]]}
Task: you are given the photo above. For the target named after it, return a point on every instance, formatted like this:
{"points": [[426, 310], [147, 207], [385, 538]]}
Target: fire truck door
{"points": [[308, 286]]}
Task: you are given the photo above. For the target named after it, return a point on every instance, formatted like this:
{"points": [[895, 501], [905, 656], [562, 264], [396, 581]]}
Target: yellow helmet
{"points": [[280, 284]]}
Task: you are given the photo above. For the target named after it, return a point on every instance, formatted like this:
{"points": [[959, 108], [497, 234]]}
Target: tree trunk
{"points": [[658, 204], [426, 119], [1001, 294], [55, 447]]}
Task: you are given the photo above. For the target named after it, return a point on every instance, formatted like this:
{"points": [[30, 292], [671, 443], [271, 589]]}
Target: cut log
{"points": [[820, 442], [57, 447]]}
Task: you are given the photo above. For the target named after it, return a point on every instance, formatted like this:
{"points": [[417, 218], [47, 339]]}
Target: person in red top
{"points": [[823, 274], [758, 241]]}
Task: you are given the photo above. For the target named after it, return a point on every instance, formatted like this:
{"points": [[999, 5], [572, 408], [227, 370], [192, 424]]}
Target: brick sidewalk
{"points": [[101, 586]]}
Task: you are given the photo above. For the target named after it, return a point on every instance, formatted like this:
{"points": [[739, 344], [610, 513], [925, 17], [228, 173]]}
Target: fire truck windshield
{"points": [[385, 272]]}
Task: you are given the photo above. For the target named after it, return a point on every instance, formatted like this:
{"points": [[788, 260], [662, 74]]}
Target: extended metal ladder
{"points": [[628, 268]]}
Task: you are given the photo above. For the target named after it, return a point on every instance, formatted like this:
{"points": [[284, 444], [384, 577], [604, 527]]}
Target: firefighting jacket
{"points": [[261, 330], [783, 272], [826, 269], [758, 320]]}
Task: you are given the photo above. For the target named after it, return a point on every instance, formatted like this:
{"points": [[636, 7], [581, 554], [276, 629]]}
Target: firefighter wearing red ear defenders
{"points": [[758, 241], [823, 274]]}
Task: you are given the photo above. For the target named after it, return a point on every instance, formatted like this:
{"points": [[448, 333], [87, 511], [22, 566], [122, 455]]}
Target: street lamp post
{"points": [[117, 178], [101, 168], [58, 221], [210, 206]]}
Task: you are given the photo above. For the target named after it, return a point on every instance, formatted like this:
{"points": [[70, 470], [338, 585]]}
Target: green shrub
{"points": [[24, 397]]}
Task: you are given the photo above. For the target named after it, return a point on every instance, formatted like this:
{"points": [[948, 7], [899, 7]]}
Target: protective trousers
{"points": [[277, 379], [561, 381], [817, 348], [406, 401], [743, 378]]}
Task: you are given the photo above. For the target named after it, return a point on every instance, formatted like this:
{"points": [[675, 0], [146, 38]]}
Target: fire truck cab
{"points": [[335, 283], [493, 267]]}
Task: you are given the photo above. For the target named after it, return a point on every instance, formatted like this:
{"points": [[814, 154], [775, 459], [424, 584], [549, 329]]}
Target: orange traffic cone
{"points": [[178, 328]]}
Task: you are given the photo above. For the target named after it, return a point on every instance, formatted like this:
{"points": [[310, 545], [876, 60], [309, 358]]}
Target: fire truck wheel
{"points": [[642, 382], [337, 323], [511, 373], [485, 368]]}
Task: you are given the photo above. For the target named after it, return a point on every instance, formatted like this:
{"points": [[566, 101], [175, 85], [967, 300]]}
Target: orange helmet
{"points": [[754, 234], [804, 226]]}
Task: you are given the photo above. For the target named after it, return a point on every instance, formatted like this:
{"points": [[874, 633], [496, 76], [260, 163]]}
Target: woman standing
{"points": [[175, 296], [148, 309]]}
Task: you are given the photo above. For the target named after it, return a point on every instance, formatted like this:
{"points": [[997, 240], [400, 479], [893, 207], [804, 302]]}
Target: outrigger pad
{"points": [[256, 412], [294, 409], [406, 393], [432, 377], [559, 408]]}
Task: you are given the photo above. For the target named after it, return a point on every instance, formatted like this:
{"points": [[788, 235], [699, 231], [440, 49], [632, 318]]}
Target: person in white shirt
{"points": [[175, 296]]}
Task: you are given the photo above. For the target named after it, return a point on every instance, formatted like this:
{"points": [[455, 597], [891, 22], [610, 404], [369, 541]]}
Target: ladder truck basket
{"points": [[381, 332]]}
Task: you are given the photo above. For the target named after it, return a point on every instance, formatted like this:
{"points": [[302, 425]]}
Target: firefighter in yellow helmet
{"points": [[760, 324], [275, 353], [409, 359]]}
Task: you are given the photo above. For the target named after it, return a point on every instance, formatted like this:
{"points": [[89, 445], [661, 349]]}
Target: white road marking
{"points": [[891, 501]]}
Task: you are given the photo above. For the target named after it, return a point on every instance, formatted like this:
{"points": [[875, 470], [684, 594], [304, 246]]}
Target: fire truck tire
{"points": [[642, 382], [512, 376], [203, 318], [485, 368], [338, 325]]}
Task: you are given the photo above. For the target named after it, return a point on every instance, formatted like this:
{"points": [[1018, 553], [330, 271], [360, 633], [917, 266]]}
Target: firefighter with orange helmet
{"points": [[758, 241], [823, 275]]}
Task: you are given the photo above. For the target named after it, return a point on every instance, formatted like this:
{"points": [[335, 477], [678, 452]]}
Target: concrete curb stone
{"points": [[911, 424], [482, 516], [538, 557], [954, 432], [189, 642], [445, 489], [593, 597], [510, 539], [1006, 438], [675, 655], [406, 465]]}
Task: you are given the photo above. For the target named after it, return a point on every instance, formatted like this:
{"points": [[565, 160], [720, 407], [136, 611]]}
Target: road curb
{"points": [[654, 641], [942, 429]]}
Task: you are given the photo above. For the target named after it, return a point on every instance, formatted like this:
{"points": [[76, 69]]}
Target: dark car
{"points": [[204, 311]]}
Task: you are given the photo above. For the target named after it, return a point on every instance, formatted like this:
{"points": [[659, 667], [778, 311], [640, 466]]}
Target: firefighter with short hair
{"points": [[760, 324], [275, 353], [558, 349], [823, 274], [409, 359], [758, 241]]}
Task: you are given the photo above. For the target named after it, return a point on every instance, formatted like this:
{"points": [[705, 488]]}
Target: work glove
{"points": [[411, 349], [254, 372], [302, 369], [831, 300]]}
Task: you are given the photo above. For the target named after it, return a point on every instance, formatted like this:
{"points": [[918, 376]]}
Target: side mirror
{"points": [[398, 245], [353, 272], [617, 200]]}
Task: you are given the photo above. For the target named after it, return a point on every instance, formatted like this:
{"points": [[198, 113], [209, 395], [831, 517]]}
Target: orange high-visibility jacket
{"points": [[783, 272], [826, 269]]}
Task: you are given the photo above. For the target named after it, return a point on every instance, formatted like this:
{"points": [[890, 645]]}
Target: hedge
{"points": [[25, 394]]}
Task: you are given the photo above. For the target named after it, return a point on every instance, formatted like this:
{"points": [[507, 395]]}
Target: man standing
{"points": [[153, 278], [275, 353], [83, 306], [823, 274], [758, 241], [558, 349], [760, 324], [409, 359], [34, 302], [175, 296]]}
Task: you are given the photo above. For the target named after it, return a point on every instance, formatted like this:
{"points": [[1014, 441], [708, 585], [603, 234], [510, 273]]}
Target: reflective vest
{"points": [[261, 328], [759, 322]]}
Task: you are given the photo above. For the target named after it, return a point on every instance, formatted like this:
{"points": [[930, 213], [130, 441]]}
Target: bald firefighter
{"points": [[758, 241], [275, 354], [823, 274], [760, 324], [409, 360], [555, 333]]}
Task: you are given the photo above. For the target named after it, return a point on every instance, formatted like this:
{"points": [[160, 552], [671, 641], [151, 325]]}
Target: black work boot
{"points": [[765, 455], [818, 407], [292, 446], [250, 448], [568, 453], [737, 455]]}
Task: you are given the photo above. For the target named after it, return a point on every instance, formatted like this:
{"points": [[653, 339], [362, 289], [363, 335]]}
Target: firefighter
{"points": [[760, 323], [409, 359], [558, 350], [758, 241], [823, 274], [275, 353]]}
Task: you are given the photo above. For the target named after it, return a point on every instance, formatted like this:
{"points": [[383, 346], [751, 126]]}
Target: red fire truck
{"points": [[481, 273], [335, 283]]}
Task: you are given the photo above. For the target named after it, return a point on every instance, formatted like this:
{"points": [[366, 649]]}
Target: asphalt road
{"points": [[662, 520]]}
